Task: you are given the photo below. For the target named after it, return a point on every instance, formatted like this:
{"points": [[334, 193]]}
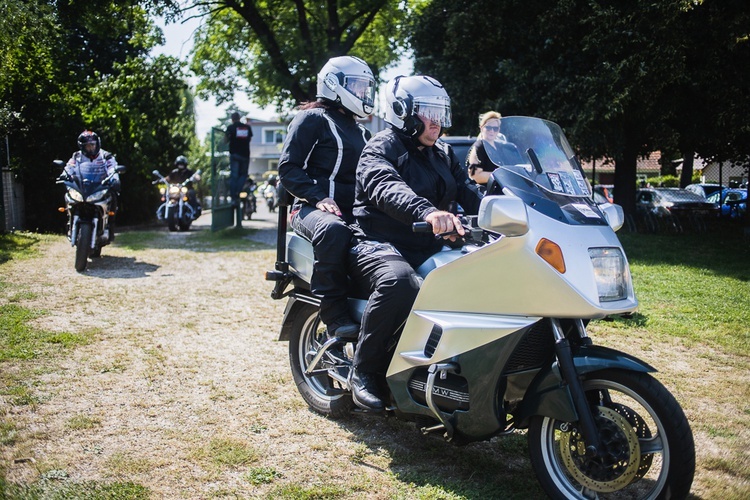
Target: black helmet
{"points": [[181, 160], [89, 143]]}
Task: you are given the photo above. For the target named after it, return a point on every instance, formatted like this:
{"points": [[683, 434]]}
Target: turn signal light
{"points": [[111, 214], [61, 209], [551, 253]]}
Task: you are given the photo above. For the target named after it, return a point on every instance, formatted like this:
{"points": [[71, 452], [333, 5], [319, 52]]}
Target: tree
{"points": [[66, 66], [606, 71], [273, 50]]}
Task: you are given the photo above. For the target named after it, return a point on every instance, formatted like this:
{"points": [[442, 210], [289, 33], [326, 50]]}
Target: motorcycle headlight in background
{"points": [[98, 196], [611, 273], [174, 190], [75, 195]]}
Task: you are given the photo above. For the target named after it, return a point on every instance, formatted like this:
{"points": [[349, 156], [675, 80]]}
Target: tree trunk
{"points": [[625, 177], [687, 168]]}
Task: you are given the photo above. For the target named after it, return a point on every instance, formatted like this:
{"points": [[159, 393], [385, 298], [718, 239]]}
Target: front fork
{"points": [[575, 385]]}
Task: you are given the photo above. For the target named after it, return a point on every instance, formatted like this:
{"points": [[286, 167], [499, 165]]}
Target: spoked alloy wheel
{"points": [[321, 392], [649, 449]]}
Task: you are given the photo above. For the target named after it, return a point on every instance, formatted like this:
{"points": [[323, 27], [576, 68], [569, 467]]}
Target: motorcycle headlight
{"points": [[184, 189], [243, 195], [174, 190], [611, 273], [98, 196], [162, 190], [75, 195]]}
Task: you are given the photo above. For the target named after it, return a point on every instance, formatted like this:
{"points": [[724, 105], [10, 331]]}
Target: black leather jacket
{"points": [[399, 184]]}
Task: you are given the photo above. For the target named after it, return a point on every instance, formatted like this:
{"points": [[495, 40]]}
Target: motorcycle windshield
{"points": [[88, 177], [535, 162]]}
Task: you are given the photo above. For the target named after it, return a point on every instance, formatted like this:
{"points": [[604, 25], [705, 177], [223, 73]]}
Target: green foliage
{"points": [[622, 78], [273, 50], [90, 490], [145, 112], [18, 245], [68, 66], [665, 181]]}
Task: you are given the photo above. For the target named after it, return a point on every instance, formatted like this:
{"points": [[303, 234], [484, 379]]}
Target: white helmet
{"points": [[348, 81], [409, 96]]}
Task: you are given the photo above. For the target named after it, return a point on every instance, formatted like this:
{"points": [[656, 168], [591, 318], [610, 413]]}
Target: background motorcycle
{"points": [[89, 205], [496, 339], [176, 208], [248, 200]]}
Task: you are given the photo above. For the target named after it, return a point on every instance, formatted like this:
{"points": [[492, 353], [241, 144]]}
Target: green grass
{"points": [[233, 238], [695, 287], [18, 245], [52, 490], [20, 340]]}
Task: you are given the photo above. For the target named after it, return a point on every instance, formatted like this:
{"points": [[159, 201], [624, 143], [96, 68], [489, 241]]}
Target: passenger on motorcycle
{"points": [[317, 166], [90, 151], [180, 174], [403, 176]]}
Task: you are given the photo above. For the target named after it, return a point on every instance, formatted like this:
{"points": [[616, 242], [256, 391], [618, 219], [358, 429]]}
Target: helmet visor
{"points": [[89, 147], [435, 109], [361, 87]]}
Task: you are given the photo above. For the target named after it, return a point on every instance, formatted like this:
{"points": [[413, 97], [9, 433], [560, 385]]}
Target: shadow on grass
{"points": [[722, 252], [13, 245]]}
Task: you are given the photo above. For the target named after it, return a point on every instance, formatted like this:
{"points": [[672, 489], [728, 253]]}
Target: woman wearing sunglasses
{"points": [[490, 149]]}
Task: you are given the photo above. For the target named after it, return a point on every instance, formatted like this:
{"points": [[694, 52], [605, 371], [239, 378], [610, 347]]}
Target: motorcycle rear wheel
{"points": [[322, 393], [83, 245], [649, 444]]}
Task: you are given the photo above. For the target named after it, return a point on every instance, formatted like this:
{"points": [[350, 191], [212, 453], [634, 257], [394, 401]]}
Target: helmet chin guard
{"points": [[348, 81], [410, 97]]}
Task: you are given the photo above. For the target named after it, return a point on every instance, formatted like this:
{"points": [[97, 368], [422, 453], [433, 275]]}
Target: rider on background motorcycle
{"points": [[317, 166], [90, 151], [403, 176], [180, 174]]}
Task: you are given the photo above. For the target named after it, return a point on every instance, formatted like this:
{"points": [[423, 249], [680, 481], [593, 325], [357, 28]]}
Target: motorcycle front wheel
{"points": [[171, 216], [83, 245], [321, 392], [648, 446]]}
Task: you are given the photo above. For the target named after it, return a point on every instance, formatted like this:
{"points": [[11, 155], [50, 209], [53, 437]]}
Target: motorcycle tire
{"points": [[185, 223], [649, 447], [171, 216], [321, 392], [83, 245]]}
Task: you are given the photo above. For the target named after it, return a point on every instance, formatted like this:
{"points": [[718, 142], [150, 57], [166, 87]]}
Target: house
{"points": [[602, 170], [726, 173], [268, 138]]}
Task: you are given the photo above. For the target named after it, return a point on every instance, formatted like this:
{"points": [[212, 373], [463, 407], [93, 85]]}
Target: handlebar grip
{"points": [[421, 227]]}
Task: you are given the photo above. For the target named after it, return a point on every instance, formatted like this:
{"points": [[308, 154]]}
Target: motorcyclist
{"points": [[403, 176], [90, 151], [317, 166], [180, 174]]}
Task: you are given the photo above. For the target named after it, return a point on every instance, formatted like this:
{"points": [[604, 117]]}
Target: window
{"points": [[273, 136]]}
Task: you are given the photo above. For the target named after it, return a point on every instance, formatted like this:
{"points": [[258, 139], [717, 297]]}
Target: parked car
{"points": [[704, 190], [460, 144], [732, 202], [664, 202], [605, 190]]}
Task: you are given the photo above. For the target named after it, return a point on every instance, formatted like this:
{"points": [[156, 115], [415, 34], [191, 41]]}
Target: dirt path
{"points": [[184, 390]]}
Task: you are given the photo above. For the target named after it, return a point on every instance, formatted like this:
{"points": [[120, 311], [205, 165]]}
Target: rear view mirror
{"points": [[59, 163], [614, 214], [503, 214]]}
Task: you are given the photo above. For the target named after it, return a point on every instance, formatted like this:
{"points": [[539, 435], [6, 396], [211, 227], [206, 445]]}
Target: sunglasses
{"points": [[492, 129]]}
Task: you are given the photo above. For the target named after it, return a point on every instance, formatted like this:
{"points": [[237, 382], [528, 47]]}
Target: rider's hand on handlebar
{"points": [[446, 222], [329, 205]]}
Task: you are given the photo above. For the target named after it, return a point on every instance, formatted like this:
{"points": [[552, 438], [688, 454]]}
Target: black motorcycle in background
{"points": [[248, 200], [176, 207], [89, 203]]}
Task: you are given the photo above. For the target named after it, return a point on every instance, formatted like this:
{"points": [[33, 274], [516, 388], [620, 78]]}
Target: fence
{"points": [[12, 214]]}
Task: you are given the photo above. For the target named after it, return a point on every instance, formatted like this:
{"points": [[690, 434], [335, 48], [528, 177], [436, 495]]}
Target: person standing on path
{"points": [[238, 135]]}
